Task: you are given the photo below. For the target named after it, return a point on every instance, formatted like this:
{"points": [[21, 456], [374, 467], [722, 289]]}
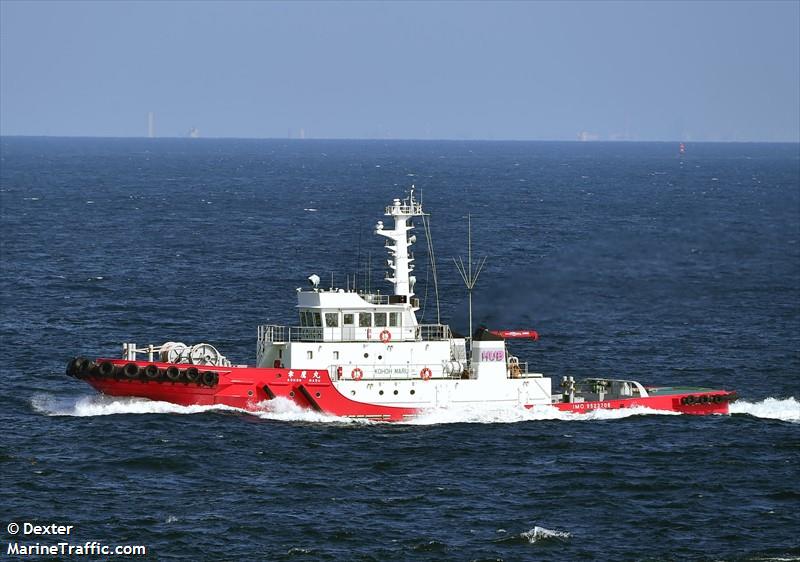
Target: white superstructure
{"points": [[375, 338]]}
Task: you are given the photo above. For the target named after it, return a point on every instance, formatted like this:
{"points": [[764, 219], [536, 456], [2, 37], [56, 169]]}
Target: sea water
{"points": [[629, 260]]}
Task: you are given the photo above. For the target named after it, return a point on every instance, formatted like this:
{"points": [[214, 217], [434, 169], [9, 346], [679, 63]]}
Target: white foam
{"points": [[280, 409], [101, 405], [514, 414], [786, 409], [283, 409], [540, 533]]}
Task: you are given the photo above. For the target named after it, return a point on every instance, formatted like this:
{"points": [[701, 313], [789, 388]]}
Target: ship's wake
{"points": [[783, 409], [101, 405], [280, 409], [513, 414], [786, 409]]}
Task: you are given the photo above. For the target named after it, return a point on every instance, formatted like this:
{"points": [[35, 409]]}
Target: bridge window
{"points": [[380, 319], [364, 320], [317, 319], [394, 319], [309, 355], [348, 320], [332, 319], [304, 318]]}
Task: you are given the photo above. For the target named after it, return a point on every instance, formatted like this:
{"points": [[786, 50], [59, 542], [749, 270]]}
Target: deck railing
{"points": [[374, 298], [285, 334]]}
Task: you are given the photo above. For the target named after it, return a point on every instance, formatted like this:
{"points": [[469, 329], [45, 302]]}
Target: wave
{"points": [[101, 405], [784, 409], [514, 414], [541, 534], [281, 409], [535, 535]]}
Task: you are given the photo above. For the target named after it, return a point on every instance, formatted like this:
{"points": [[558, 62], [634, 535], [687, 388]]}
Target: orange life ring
{"points": [[357, 374], [425, 374], [386, 336]]}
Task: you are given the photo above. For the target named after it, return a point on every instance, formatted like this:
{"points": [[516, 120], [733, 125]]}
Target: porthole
{"points": [[366, 355], [413, 392], [380, 392], [317, 395], [380, 357], [395, 393], [249, 392], [291, 394]]}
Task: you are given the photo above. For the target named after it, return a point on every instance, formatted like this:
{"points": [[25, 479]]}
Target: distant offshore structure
{"points": [[151, 125], [194, 133]]}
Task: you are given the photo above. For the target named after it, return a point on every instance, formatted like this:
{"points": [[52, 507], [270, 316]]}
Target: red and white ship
{"points": [[364, 354]]}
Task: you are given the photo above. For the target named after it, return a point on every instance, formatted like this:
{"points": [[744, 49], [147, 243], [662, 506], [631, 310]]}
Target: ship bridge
{"points": [[336, 315], [343, 325]]}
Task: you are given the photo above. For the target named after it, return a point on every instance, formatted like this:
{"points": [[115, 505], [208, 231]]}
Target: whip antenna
{"points": [[432, 260], [467, 274]]}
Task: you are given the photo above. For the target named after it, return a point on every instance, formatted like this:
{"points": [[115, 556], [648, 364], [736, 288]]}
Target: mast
{"points": [[467, 274], [398, 243]]}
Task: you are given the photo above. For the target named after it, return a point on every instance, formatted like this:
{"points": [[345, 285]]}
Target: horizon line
{"points": [[401, 139]]}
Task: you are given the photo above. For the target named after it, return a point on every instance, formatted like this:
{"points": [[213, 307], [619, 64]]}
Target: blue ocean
{"points": [[629, 259]]}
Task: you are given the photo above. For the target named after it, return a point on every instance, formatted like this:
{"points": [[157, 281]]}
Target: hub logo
{"points": [[493, 355]]}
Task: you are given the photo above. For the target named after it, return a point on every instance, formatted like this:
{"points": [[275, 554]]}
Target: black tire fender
{"points": [[131, 370], [105, 369], [210, 378], [73, 367], [172, 373], [151, 372]]}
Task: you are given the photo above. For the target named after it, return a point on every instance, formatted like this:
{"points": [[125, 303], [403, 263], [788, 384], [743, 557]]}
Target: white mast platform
{"points": [[402, 212]]}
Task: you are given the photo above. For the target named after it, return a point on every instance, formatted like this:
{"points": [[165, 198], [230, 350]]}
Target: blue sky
{"points": [[518, 70]]}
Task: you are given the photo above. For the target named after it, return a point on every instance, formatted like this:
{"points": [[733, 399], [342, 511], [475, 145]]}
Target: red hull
{"points": [[246, 387], [671, 403]]}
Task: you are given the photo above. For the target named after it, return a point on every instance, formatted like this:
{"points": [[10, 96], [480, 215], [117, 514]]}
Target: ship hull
{"points": [[390, 400]]}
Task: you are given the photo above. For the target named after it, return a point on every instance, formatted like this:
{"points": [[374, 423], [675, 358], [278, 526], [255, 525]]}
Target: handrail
{"points": [[285, 334], [374, 298], [404, 209]]}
